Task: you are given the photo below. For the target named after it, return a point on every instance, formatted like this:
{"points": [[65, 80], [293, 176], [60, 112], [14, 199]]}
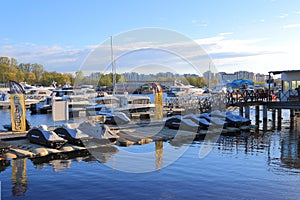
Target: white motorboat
{"points": [[179, 89]]}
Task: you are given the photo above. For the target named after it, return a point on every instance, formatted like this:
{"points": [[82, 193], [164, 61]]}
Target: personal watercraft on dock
{"points": [[72, 134], [41, 135]]}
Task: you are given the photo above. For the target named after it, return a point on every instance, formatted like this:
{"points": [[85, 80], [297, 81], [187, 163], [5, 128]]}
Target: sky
{"points": [[250, 35]]}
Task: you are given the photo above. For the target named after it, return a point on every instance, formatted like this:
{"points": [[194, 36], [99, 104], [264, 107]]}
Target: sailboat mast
{"points": [[209, 75], [113, 66]]}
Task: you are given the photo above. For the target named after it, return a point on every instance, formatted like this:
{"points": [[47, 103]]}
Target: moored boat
{"points": [[98, 131], [72, 134], [41, 135]]}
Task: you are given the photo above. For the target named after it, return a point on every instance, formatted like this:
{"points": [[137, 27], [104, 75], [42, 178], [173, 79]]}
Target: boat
{"points": [[213, 120], [35, 94], [121, 103], [201, 121], [237, 120], [179, 89], [72, 134], [113, 117], [98, 131], [41, 135], [179, 122], [77, 100], [4, 98]]}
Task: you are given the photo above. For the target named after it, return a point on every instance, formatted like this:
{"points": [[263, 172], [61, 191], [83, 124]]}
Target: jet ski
{"points": [[72, 134], [41, 135], [178, 122], [97, 131]]}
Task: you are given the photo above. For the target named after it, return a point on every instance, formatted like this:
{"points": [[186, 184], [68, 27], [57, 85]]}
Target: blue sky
{"points": [[253, 35]]}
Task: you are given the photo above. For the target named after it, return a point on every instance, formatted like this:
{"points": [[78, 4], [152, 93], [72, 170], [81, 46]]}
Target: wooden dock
{"points": [[129, 134]]}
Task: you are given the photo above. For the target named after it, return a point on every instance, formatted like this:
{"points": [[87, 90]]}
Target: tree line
{"points": [[32, 73]]}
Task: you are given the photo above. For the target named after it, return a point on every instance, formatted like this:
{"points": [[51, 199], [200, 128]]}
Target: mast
{"points": [[209, 75], [113, 66]]}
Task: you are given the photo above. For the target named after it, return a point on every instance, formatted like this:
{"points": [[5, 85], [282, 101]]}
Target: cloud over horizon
{"points": [[227, 54]]}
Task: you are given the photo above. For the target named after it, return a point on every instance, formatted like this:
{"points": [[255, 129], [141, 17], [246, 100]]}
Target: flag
{"points": [[158, 102], [16, 88], [17, 106]]}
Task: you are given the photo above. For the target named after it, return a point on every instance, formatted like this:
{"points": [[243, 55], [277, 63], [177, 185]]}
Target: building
{"points": [[228, 77], [260, 77]]}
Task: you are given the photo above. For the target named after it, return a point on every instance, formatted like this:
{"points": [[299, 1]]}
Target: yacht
{"points": [[121, 103], [179, 89]]}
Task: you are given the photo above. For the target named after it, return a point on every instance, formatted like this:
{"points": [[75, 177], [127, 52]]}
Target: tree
{"points": [[38, 70], [79, 77], [30, 77], [13, 62], [4, 60]]}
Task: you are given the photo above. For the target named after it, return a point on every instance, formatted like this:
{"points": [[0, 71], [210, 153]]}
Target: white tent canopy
{"points": [[290, 76]]}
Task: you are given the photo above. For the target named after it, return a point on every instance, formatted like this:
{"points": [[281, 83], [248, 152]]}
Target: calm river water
{"points": [[256, 166]]}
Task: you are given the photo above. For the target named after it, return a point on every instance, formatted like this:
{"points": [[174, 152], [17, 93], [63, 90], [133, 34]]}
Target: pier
{"points": [[288, 98]]}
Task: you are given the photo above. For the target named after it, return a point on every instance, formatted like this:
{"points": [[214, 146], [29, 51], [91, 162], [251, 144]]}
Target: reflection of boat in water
{"points": [[104, 153], [64, 160]]}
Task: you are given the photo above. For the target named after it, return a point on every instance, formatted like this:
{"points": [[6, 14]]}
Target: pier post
{"points": [[292, 119], [265, 118], [247, 112], [241, 111], [279, 119], [273, 119]]}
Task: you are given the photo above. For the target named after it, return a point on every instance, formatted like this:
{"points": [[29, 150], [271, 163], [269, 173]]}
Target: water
{"points": [[257, 166]]}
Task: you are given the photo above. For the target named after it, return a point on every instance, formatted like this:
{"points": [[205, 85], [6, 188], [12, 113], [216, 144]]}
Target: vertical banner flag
{"points": [[17, 107], [158, 102]]}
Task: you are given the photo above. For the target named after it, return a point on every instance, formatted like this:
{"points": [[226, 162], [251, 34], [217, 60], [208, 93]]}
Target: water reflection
{"points": [[63, 160], [246, 143], [104, 153], [281, 150], [4, 163], [59, 161], [290, 150], [159, 154], [18, 177]]}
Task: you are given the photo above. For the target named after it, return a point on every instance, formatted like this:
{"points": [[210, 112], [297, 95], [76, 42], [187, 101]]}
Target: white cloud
{"points": [[250, 54], [285, 15], [291, 26], [228, 54], [52, 57]]}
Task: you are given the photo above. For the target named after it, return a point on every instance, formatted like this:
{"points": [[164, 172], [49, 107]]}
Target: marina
{"points": [[204, 106], [215, 134], [258, 157]]}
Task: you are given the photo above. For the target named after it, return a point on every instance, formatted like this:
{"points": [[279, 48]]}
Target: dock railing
{"points": [[234, 98]]}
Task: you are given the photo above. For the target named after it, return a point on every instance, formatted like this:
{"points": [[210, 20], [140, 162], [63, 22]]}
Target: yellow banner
{"points": [[159, 104], [18, 112]]}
